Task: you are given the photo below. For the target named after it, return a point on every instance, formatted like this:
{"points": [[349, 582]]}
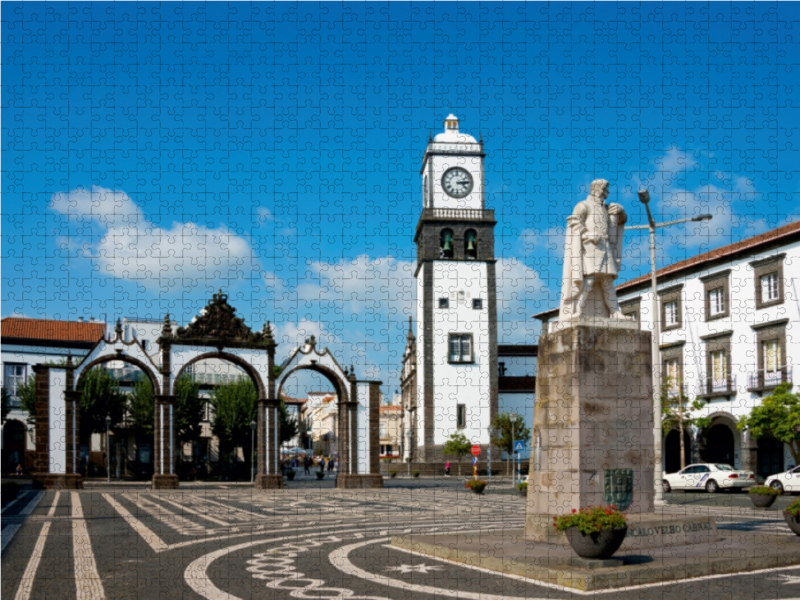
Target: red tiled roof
{"points": [[729, 250], [391, 407], [46, 329]]}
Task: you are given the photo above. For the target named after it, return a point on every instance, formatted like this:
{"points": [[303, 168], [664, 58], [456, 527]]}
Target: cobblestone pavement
{"points": [[308, 541]]}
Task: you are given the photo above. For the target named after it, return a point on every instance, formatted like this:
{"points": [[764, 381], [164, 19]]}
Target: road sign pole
{"points": [[513, 439]]}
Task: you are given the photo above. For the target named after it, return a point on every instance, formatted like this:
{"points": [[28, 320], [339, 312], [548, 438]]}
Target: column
{"points": [[268, 425], [55, 462], [164, 471]]}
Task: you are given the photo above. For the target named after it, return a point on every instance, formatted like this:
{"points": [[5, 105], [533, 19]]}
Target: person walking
{"points": [[447, 469], [306, 466]]}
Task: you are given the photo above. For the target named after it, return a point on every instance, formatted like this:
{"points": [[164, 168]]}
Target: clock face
{"points": [[457, 182]]}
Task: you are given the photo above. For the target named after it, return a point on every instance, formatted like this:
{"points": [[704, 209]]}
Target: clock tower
{"points": [[456, 342]]}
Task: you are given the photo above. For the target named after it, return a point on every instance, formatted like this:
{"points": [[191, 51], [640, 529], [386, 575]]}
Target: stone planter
{"points": [[793, 522], [763, 500], [320, 474], [478, 489], [600, 545], [290, 475]]}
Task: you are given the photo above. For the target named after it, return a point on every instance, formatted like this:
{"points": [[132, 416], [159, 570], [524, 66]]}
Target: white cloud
{"points": [[520, 292], [126, 245]]}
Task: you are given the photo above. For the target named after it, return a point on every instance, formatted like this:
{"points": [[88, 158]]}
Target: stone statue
{"points": [[592, 257]]}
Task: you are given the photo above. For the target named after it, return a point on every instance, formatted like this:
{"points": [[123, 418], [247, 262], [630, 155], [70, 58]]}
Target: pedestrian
{"points": [[307, 465], [447, 469], [330, 465], [19, 470]]}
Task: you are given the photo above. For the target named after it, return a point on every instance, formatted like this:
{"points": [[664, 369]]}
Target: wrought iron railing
{"points": [[765, 378], [711, 385]]}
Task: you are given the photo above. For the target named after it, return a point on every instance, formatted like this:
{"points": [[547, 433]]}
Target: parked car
{"points": [[788, 481], [709, 476]]}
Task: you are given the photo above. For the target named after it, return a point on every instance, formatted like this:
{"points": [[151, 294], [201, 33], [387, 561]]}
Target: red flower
{"points": [[574, 511]]}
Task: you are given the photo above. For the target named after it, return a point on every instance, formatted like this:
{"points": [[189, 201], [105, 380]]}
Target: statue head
{"points": [[599, 188]]}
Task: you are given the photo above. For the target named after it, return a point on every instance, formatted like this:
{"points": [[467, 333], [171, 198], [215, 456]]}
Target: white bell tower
{"points": [[456, 343]]}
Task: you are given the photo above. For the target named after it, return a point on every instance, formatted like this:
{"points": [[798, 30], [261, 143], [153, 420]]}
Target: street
{"points": [[307, 541]]}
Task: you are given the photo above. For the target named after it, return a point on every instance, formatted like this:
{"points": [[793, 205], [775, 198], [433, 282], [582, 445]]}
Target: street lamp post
{"points": [[252, 448], [513, 476], [108, 449], [489, 453], [644, 197]]}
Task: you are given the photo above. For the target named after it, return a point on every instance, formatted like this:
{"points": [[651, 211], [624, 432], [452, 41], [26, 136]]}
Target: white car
{"points": [[710, 477], [788, 481]]}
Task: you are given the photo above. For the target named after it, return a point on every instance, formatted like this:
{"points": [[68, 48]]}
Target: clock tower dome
{"points": [[456, 343]]}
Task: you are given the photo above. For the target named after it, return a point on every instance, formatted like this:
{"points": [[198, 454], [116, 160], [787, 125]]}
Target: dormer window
{"points": [[446, 243], [471, 244]]}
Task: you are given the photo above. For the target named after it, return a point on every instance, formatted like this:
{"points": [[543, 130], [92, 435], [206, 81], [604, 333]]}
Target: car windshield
{"points": [[724, 467]]}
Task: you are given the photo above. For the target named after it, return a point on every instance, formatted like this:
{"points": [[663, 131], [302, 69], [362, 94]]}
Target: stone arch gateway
{"points": [[216, 333]]}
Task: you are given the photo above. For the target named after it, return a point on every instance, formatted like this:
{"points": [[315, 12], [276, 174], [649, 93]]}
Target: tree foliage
{"points": [[678, 414], [188, 410], [457, 445], [100, 397], [778, 417], [6, 403], [141, 406], [505, 424], [289, 426], [26, 393], [234, 408]]}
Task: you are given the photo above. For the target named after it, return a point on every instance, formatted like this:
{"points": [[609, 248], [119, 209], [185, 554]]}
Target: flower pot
{"points": [[792, 521], [478, 489], [290, 475], [320, 474], [763, 500], [600, 545], [524, 492]]}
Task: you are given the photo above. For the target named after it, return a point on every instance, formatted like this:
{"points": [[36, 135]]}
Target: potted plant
{"points": [[320, 474], [594, 532], [763, 496], [476, 485], [392, 474], [290, 473], [791, 515], [415, 474], [523, 488]]}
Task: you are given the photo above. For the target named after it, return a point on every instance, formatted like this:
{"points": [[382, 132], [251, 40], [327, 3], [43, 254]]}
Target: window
{"points": [[671, 310], [769, 287], [719, 370], [768, 280], [477, 303], [631, 308], [717, 294], [716, 302], [772, 369], [446, 243], [671, 314], [145, 344], [383, 430], [460, 347], [471, 244], [672, 374], [501, 366], [461, 416], [389, 449], [14, 375], [444, 303], [672, 367], [718, 379]]}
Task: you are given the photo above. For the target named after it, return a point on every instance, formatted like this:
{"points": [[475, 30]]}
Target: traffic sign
{"points": [[519, 445], [476, 450], [474, 460]]}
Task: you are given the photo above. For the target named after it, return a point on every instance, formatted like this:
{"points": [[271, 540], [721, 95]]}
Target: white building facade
{"points": [[729, 335]]}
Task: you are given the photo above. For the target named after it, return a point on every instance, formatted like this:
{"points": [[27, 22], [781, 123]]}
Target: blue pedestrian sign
{"points": [[519, 445], [474, 460]]}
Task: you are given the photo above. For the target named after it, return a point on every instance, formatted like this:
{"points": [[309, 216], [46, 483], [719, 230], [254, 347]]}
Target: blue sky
{"points": [[153, 153]]}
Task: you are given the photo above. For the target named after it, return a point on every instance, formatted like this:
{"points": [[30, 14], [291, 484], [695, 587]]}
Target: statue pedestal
{"points": [[593, 422], [268, 482]]}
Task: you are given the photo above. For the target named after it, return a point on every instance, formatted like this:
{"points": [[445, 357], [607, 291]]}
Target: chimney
{"points": [[80, 319]]}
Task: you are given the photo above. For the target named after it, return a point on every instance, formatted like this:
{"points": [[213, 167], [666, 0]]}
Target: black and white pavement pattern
{"points": [[302, 542]]}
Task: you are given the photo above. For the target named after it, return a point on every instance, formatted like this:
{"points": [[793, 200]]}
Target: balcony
{"points": [[765, 380], [709, 387], [674, 390], [472, 214]]}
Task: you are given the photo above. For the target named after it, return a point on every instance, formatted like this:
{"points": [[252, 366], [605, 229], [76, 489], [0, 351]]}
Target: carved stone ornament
{"points": [[218, 325]]}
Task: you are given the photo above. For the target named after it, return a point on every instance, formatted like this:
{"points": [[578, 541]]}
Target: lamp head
{"points": [[702, 218], [252, 424], [644, 196], [108, 421]]}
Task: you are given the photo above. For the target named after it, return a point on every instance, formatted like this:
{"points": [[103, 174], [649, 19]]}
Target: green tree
{"points": [[289, 425], [677, 411], [188, 410], [457, 445], [141, 407], [6, 400], [100, 397], [778, 417], [234, 408], [26, 393], [508, 427]]}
